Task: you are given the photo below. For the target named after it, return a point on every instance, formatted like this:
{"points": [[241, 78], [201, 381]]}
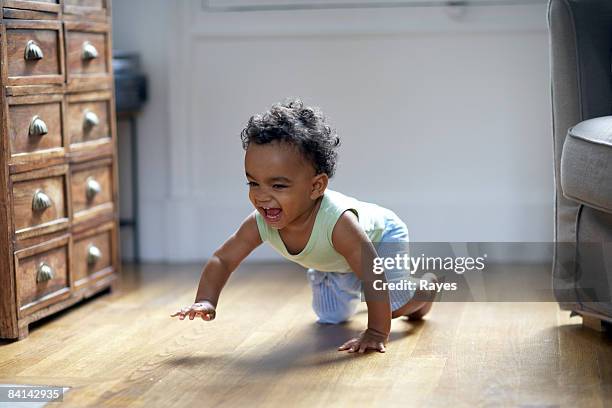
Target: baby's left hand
{"points": [[368, 340]]}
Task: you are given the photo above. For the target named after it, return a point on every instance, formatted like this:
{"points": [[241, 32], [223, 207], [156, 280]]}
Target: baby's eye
{"points": [[251, 184], [279, 186]]}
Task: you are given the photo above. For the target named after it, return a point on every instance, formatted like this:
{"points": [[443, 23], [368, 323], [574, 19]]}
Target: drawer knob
{"points": [[93, 254], [33, 52], [38, 127], [93, 188], [45, 273], [89, 51], [41, 201], [90, 120]]}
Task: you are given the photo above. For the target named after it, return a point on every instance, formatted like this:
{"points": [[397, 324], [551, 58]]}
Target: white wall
{"points": [[142, 26], [444, 116]]}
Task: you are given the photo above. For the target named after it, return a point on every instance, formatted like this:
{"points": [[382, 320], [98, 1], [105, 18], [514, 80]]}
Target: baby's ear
{"points": [[319, 184]]}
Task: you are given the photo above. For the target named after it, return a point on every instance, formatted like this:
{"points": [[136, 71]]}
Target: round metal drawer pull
{"points": [[41, 201], [33, 52], [38, 127], [93, 254], [92, 188], [45, 273], [89, 51], [90, 120]]}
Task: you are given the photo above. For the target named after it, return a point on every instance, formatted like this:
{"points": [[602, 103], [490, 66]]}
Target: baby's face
{"points": [[283, 185]]}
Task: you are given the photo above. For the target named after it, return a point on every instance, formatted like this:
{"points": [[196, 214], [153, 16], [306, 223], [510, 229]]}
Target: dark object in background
{"points": [[130, 82], [130, 97], [581, 39]]}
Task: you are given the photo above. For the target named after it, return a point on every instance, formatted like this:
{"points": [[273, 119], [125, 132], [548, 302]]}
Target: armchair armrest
{"points": [[586, 163]]}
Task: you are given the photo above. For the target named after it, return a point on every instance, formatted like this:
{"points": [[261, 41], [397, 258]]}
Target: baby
{"points": [[290, 157]]}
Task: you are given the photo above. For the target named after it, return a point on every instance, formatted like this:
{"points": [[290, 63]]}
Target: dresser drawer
{"points": [[40, 201], [92, 189], [94, 9], [93, 255], [89, 122], [42, 274], [34, 52], [39, 5], [87, 54], [35, 129], [31, 9]]}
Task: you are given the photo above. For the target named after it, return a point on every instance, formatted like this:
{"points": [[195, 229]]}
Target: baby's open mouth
{"points": [[272, 214]]}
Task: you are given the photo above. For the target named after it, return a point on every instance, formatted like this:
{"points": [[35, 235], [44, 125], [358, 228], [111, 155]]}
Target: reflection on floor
{"points": [[265, 349]]}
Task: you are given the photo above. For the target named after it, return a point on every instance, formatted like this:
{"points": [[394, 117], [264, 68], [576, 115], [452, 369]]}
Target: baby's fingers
{"points": [[198, 313], [354, 347], [181, 313], [206, 315], [370, 345], [178, 313], [378, 346], [348, 345]]}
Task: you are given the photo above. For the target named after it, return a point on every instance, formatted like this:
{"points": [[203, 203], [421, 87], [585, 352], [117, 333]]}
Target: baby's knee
{"points": [[339, 314]]}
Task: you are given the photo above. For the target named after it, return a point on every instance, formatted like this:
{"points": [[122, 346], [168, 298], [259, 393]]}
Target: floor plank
{"points": [[265, 349]]}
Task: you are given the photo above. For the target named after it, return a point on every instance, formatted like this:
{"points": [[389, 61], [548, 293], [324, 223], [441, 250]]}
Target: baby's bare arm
{"points": [[351, 241], [226, 259], [219, 267]]}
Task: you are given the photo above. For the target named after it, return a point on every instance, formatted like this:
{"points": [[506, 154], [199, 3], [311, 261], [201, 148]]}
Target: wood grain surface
{"points": [[81, 74], [37, 5], [98, 4], [81, 204], [76, 118], [92, 9], [74, 51], [27, 262], [23, 194], [81, 268], [20, 118], [265, 350], [49, 36], [46, 39]]}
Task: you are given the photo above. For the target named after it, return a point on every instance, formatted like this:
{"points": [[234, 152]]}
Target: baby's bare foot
{"points": [[420, 303], [426, 297]]}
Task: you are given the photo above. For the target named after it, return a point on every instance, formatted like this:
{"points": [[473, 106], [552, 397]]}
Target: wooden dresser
{"points": [[58, 164]]}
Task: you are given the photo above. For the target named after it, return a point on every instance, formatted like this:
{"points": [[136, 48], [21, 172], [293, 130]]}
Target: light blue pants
{"points": [[335, 295]]}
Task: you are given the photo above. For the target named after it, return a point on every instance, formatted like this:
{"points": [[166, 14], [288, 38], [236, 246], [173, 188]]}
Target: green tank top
{"points": [[319, 253]]}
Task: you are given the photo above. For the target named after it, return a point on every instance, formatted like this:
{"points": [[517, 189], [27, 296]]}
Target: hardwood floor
{"points": [[265, 349]]}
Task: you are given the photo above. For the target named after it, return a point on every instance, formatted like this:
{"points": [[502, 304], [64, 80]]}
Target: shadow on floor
{"points": [[317, 347]]}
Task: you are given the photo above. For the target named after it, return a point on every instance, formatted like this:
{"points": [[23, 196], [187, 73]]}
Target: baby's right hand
{"points": [[203, 309]]}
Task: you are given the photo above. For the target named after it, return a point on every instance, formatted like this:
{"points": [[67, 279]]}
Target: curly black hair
{"points": [[302, 126]]}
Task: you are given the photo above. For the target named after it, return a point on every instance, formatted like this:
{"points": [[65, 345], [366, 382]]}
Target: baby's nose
{"points": [[263, 200]]}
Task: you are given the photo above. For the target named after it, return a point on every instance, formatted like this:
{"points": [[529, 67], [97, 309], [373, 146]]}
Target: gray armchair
{"points": [[581, 82]]}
